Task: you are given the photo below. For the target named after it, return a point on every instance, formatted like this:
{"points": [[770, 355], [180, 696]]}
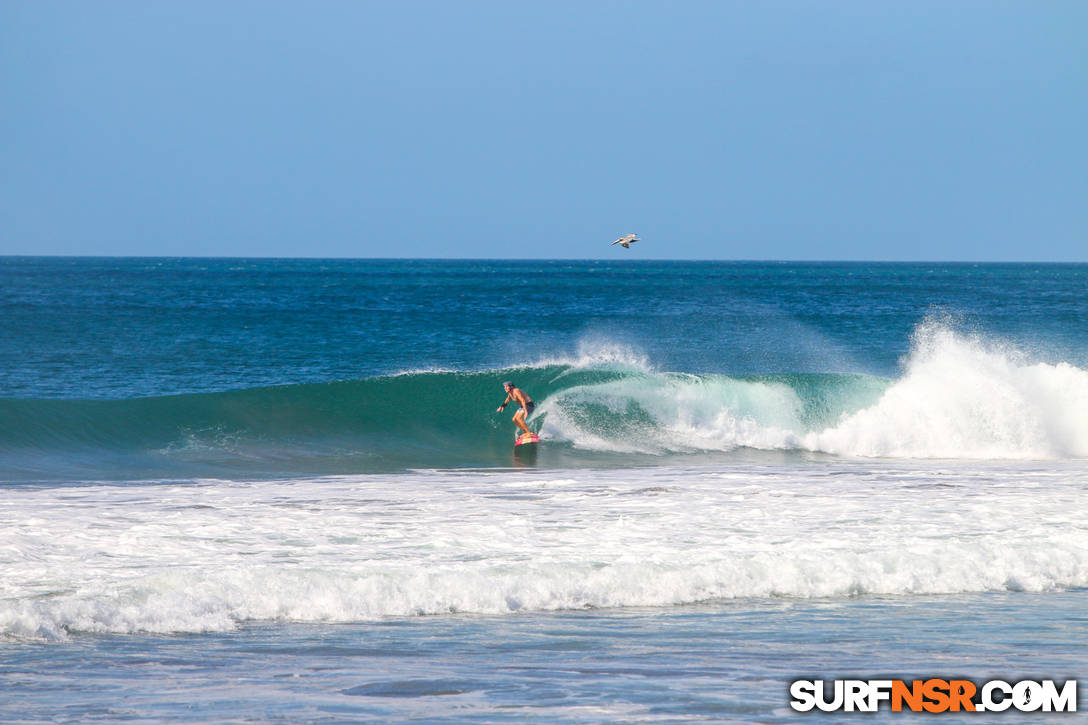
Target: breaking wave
{"points": [[959, 396]]}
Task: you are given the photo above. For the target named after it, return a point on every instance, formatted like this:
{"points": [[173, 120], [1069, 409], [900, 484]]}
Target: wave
{"points": [[960, 396]]}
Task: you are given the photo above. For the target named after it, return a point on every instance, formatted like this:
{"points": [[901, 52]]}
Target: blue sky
{"points": [[863, 130]]}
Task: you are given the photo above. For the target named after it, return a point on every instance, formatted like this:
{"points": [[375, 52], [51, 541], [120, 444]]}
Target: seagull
{"points": [[626, 241]]}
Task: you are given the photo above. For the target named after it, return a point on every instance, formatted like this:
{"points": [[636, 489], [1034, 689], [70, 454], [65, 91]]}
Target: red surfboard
{"points": [[526, 438]]}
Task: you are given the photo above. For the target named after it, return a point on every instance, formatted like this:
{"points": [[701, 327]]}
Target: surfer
{"points": [[518, 396]]}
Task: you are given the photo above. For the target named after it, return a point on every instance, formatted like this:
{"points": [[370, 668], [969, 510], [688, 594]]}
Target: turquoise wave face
{"points": [[426, 419]]}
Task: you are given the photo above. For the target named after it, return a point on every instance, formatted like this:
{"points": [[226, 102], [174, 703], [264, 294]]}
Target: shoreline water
{"points": [[726, 662]]}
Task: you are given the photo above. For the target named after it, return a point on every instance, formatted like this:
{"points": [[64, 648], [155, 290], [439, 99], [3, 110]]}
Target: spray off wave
{"points": [[964, 397]]}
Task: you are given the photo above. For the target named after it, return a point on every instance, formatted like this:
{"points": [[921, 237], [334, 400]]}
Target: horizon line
{"points": [[536, 259]]}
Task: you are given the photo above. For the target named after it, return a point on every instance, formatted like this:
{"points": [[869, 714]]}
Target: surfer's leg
{"points": [[519, 420]]}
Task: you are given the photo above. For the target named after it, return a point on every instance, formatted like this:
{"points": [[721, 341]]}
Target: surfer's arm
{"points": [[504, 404]]}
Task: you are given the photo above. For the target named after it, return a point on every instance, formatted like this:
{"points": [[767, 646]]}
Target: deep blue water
{"points": [[116, 328]]}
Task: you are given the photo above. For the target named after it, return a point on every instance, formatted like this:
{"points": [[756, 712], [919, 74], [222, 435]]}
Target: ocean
{"points": [[278, 490]]}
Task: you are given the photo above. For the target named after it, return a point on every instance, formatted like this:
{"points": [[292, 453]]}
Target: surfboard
{"points": [[526, 438]]}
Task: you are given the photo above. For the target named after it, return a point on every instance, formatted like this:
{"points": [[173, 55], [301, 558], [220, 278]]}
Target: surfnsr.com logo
{"points": [[933, 695]]}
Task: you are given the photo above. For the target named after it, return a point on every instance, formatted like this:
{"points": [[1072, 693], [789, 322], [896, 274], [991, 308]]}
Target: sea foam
{"points": [[962, 396], [212, 555]]}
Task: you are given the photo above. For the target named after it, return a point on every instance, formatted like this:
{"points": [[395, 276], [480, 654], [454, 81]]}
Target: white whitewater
{"points": [[207, 556]]}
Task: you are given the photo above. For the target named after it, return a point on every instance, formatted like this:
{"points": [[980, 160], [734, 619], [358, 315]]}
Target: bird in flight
{"points": [[625, 241]]}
